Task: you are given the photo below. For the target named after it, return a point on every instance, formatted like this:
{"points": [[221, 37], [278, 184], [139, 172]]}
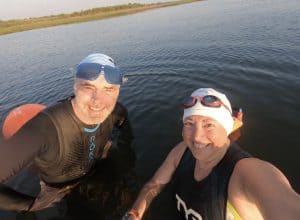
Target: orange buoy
{"points": [[238, 119], [238, 123], [17, 117]]}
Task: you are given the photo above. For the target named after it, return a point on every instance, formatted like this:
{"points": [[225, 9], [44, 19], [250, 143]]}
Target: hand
{"points": [[131, 215], [128, 217], [49, 195]]}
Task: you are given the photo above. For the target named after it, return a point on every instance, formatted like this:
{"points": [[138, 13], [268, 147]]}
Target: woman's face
{"points": [[204, 136]]}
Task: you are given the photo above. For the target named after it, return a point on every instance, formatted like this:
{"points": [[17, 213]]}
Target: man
{"points": [[213, 177], [64, 141]]}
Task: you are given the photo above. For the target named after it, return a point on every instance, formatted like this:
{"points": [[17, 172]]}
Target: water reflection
{"points": [[105, 195], [110, 189]]}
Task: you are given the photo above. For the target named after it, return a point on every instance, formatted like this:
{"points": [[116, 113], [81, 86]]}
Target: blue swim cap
{"points": [[95, 64]]}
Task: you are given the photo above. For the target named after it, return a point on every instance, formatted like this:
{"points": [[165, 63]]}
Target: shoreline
{"points": [[19, 25]]}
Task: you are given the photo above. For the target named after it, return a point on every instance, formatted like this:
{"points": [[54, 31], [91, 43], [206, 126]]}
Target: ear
{"points": [[75, 85]]}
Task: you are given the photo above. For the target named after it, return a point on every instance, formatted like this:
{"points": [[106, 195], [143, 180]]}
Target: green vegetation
{"points": [[13, 26]]}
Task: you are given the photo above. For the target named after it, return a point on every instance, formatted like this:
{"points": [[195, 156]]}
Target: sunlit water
{"points": [[250, 50]]}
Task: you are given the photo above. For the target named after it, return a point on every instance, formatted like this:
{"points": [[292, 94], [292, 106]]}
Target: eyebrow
{"points": [[86, 84], [91, 85], [110, 87], [202, 120]]}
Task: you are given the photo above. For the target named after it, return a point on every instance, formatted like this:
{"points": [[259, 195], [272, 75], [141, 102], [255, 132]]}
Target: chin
{"points": [[99, 119]]}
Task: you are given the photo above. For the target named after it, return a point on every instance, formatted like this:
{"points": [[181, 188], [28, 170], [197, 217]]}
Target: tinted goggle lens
{"points": [[91, 71], [211, 101], [208, 100], [189, 102]]}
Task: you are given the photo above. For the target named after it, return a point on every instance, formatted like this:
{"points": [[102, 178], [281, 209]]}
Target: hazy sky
{"points": [[14, 9]]}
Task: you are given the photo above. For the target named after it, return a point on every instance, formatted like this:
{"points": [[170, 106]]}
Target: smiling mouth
{"points": [[96, 109], [201, 146]]}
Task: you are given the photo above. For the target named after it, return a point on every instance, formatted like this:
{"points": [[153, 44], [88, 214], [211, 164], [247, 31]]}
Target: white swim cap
{"points": [[220, 114]]}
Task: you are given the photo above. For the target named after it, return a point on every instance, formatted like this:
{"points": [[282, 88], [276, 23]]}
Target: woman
{"points": [[214, 178]]}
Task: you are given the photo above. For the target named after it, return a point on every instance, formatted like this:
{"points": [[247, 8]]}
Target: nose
{"points": [[98, 96], [199, 134]]}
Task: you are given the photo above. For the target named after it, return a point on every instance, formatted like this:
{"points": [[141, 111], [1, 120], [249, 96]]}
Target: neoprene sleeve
{"points": [[12, 200]]}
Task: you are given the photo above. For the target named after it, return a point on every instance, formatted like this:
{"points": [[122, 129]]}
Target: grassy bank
{"points": [[12, 26]]}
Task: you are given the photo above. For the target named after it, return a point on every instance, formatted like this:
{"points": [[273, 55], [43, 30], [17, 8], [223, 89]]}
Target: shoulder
{"points": [[62, 114], [64, 105], [253, 176], [255, 172], [37, 134], [41, 127], [257, 186], [39, 123]]}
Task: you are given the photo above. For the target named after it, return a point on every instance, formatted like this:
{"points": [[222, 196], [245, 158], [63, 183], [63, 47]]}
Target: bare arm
{"points": [[265, 190], [162, 176]]}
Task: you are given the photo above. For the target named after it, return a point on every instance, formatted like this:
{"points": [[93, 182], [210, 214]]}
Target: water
{"points": [[250, 50]]}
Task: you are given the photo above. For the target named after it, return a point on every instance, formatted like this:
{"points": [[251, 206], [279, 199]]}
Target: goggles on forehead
{"points": [[91, 71], [207, 100]]}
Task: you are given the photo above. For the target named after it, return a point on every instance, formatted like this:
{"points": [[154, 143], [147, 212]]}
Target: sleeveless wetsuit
{"points": [[206, 199], [61, 146]]}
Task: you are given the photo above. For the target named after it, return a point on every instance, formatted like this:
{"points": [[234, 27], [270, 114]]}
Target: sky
{"points": [[18, 9]]}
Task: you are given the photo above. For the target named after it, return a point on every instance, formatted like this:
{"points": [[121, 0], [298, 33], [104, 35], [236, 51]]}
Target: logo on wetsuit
{"points": [[189, 213], [92, 147], [92, 144]]}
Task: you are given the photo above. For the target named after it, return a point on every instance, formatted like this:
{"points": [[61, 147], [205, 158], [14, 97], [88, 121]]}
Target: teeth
{"points": [[200, 146], [95, 109]]}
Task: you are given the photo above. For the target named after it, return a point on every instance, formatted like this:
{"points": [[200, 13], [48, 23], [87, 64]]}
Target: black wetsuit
{"points": [[62, 147], [206, 199]]}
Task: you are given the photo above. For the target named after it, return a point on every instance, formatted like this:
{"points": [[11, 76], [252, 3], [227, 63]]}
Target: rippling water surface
{"points": [[250, 50]]}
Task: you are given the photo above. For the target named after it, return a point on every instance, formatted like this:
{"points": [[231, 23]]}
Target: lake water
{"points": [[250, 50]]}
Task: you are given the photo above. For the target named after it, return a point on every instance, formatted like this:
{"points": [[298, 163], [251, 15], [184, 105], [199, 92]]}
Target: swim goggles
{"points": [[91, 71], [207, 100]]}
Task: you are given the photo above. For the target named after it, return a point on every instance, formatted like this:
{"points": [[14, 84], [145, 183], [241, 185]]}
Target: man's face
{"points": [[94, 100], [204, 136]]}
